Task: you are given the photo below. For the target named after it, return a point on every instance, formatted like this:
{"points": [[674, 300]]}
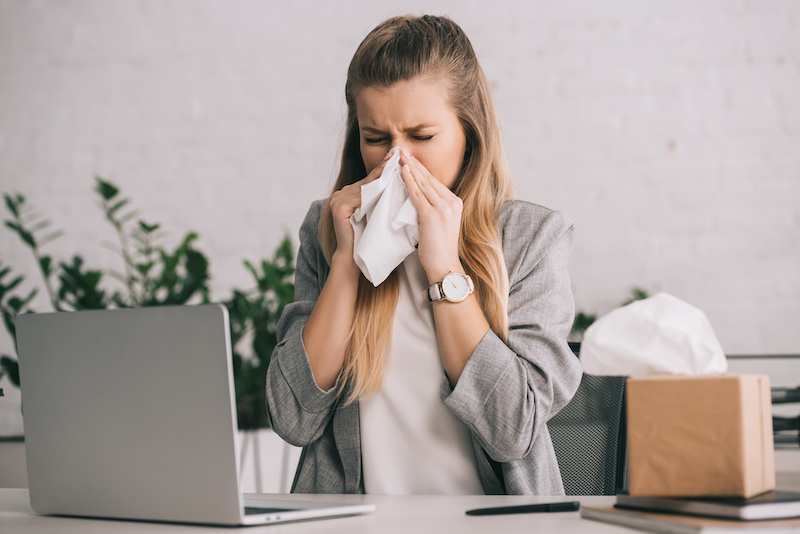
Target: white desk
{"points": [[394, 514], [407, 514]]}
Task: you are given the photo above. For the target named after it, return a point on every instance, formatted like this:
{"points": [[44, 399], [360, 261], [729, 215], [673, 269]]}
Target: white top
{"points": [[410, 442]]}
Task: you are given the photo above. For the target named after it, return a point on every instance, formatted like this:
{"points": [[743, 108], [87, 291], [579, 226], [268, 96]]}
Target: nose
{"points": [[400, 142]]}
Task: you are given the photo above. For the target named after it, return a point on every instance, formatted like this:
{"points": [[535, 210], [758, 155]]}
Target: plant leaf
{"points": [[50, 237], [27, 300], [14, 283], [10, 367], [40, 225], [27, 237], [45, 263], [148, 228], [127, 217], [13, 203], [107, 190], [116, 207]]}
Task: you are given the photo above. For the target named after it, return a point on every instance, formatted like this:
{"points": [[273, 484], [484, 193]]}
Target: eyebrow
{"points": [[416, 128]]}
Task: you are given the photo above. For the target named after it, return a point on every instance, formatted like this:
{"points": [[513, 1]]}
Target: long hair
{"points": [[402, 49]]}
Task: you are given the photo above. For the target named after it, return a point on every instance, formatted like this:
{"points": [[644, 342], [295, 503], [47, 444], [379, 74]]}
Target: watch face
{"points": [[455, 287]]}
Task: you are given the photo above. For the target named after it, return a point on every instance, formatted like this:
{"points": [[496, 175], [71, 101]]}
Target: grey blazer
{"points": [[505, 395]]}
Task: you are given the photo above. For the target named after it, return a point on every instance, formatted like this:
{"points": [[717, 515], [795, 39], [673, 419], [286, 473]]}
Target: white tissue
{"points": [[658, 335], [386, 225]]}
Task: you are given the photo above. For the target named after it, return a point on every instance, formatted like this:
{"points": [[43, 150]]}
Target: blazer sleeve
{"points": [[297, 408], [508, 391]]}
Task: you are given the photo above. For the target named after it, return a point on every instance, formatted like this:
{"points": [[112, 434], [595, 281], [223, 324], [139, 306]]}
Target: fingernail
{"points": [[387, 156], [405, 152]]}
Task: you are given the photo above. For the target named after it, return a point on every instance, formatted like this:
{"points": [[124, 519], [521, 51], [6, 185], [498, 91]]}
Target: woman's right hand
{"points": [[343, 204], [326, 333]]}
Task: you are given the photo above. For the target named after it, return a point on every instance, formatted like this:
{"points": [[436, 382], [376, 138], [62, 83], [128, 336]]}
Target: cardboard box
{"points": [[700, 436]]}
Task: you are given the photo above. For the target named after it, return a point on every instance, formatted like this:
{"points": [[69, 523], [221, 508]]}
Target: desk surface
{"points": [[417, 514], [409, 513]]}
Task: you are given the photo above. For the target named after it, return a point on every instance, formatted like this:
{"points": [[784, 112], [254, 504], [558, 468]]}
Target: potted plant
{"points": [[153, 275]]}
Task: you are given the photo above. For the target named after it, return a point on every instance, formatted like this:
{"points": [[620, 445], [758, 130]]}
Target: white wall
{"points": [[669, 131]]}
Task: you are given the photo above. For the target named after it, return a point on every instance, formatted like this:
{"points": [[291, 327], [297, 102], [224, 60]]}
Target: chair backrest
{"points": [[589, 436]]}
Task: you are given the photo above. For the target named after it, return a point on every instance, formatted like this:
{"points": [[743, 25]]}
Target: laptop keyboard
{"points": [[252, 510]]}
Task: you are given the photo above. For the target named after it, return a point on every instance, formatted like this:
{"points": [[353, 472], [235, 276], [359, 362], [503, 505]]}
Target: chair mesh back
{"points": [[589, 438]]}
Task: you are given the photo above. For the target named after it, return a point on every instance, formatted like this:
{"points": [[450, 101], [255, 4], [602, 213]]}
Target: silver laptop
{"points": [[130, 414]]}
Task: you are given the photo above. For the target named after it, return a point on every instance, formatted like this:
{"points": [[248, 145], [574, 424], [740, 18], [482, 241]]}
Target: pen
{"points": [[571, 506]]}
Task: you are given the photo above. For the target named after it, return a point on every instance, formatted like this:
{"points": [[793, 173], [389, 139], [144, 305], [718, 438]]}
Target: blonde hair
{"points": [[401, 49]]}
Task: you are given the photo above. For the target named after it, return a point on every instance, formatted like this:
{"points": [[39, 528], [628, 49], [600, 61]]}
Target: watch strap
{"points": [[434, 293]]}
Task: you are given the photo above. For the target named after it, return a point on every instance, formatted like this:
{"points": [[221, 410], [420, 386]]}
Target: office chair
{"points": [[589, 436], [786, 429]]}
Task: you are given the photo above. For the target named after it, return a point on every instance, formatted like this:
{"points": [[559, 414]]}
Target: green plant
{"points": [[10, 306], [254, 315], [153, 275], [584, 320]]}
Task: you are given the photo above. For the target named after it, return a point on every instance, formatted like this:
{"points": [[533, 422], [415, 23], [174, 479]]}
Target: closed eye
{"points": [[382, 140], [374, 140]]}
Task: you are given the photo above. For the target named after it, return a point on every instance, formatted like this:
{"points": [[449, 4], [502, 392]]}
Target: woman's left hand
{"points": [[439, 218]]}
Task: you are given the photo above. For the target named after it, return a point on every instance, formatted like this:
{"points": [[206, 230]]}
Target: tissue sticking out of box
{"points": [[658, 335]]}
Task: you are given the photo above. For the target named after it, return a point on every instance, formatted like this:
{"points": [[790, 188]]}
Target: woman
{"points": [[386, 391]]}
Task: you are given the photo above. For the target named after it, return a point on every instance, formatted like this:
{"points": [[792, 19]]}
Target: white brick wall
{"points": [[669, 131]]}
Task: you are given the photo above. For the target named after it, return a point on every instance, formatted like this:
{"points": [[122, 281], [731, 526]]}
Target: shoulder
{"points": [[519, 219], [310, 226], [529, 232], [315, 212], [312, 267]]}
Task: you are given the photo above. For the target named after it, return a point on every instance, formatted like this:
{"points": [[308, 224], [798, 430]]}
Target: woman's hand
{"points": [[343, 203], [439, 218], [326, 333]]}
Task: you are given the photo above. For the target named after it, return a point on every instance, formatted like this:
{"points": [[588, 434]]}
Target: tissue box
{"points": [[700, 436]]}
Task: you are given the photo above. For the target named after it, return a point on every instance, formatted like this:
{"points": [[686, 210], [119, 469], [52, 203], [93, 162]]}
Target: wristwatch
{"points": [[455, 287]]}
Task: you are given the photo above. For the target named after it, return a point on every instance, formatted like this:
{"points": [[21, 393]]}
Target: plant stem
{"points": [[35, 249], [125, 248], [47, 283]]}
